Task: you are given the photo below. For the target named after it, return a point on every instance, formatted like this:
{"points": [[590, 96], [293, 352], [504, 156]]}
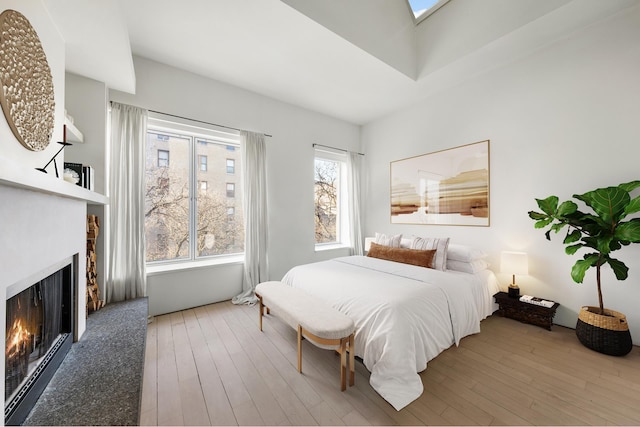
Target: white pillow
{"points": [[440, 245], [471, 267], [393, 241], [464, 253]]}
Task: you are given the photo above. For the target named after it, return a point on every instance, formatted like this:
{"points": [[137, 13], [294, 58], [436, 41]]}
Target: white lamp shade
{"points": [[514, 262]]}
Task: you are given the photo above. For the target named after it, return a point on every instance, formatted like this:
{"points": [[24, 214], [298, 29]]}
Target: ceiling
{"points": [[299, 52]]}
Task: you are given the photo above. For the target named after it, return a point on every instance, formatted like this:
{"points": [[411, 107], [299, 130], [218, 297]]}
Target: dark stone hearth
{"points": [[100, 380]]}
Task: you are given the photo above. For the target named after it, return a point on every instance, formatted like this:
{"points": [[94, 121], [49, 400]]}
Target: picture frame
{"points": [[447, 187]]}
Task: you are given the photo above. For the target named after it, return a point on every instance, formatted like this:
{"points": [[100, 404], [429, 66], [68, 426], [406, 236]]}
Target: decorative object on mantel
{"points": [[27, 96], [53, 159], [602, 232], [514, 263]]}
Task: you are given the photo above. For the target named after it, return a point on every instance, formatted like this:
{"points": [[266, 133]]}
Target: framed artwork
{"points": [[448, 187]]}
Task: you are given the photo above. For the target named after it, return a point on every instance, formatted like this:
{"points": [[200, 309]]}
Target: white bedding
{"points": [[405, 315]]}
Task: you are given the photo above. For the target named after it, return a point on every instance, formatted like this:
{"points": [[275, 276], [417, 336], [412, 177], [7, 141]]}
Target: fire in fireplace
{"points": [[39, 333]]}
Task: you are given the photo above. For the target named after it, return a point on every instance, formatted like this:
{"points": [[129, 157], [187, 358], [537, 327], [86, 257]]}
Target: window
{"points": [[231, 189], [202, 161], [163, 158], [187, 213], [231, 166], [331, 226]]}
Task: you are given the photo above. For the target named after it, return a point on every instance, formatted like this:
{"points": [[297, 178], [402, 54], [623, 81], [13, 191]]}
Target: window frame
{"points": [[342, 220], [196, 134]]}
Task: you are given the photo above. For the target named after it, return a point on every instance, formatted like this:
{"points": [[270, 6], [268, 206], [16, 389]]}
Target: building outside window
{"points": [[331, 226], [231, 189], [202, 161], [186, 207], [231, 166], [163, 158]]}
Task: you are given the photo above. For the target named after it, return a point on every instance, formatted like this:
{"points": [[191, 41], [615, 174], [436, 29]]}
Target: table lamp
{"points": [[514, 263]]}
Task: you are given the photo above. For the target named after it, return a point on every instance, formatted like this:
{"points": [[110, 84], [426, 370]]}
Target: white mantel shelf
{"points": [[14, 175]]}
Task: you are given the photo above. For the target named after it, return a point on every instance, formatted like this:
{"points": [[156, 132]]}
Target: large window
{"points": [[187, 211], [330, 201]]}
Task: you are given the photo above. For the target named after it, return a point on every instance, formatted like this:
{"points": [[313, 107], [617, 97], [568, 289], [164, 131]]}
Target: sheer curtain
{"points": [[255, 215], [125, 273], [354, 173]]}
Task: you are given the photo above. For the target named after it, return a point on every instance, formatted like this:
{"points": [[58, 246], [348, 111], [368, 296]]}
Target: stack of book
{"points": [[537, 301], [85, 174]]}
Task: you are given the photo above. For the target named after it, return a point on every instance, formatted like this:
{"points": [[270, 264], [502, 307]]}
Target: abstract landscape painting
{"points": [[448, 187]]}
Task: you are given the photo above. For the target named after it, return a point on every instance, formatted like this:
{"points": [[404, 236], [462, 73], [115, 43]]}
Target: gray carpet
{"points": [[100, 380]]}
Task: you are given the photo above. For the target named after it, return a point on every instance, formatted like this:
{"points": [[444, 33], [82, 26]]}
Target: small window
{"points": [[231, 166], [163, 158], [202, 161], [231, 189], [331, 225], [231, 211], [202, 186]]}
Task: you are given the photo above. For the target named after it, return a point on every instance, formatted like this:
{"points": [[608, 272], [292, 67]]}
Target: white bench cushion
{"points": [[296, 307]]}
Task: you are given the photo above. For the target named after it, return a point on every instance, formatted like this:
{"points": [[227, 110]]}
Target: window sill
{"points": [[330, 247], [156, 269]]}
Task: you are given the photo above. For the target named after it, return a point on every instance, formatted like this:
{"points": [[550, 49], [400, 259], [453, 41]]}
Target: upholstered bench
{"points": [[321, 324]]}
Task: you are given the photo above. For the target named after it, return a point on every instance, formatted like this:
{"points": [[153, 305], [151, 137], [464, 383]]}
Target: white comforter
{"points": [[404, 315]]}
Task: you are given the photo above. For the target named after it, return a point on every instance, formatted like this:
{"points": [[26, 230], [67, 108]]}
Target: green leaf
{"points": [[572, 237], [581, 266], [571, 250], [548, 205], [630, 186], [543, 223], [608, 203], [620, 270], [629, 231], [632, 207], [537, 215], [567, 208], [558, 226]]}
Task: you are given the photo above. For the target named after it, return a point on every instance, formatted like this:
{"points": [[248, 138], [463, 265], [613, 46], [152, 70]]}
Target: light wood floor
{"points": [[212, 366]]}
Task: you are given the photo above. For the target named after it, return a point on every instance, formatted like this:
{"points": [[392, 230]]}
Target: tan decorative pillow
{"points": [[422, 258]]}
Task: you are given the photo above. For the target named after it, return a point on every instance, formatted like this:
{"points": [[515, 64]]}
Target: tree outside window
{"points": [[184, 223]]}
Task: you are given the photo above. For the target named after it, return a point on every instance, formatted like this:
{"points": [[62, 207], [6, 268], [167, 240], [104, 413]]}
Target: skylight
{"points": [[423, 8]]}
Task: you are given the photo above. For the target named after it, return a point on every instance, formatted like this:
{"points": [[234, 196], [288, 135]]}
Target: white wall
{"points": [[561, 121], [86, 102], [289, 172], [384, 28]]}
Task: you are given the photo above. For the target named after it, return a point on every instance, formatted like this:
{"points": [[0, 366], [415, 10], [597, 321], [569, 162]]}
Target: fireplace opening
{"points": [[39, 333]]}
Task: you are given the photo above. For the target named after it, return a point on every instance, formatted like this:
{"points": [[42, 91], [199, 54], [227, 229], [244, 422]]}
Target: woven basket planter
{"points": [[605, 333]]}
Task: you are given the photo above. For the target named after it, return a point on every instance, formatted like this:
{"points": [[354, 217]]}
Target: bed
{"points": [[405, 315]]}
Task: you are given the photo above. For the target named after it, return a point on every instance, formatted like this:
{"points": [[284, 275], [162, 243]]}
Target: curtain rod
{"points": [[198, 121], [334, 148]]}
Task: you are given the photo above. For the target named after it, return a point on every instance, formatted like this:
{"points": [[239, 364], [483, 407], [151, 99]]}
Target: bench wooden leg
{"points": [[261, 310], [352, 361], [299, 348], [343, 364]]}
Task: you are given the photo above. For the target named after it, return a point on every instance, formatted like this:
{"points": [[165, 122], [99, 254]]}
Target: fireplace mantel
{"points": [[14, 175]]}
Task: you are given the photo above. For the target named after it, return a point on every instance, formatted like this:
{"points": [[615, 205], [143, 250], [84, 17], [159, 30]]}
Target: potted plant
{"points": [[601, 232]]}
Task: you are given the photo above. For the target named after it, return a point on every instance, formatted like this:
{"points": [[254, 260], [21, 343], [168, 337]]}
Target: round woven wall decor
{"points": [[27, 86]]}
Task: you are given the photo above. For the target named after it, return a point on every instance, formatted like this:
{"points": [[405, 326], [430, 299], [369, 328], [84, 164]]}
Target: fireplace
{"points": [[39, 333]]}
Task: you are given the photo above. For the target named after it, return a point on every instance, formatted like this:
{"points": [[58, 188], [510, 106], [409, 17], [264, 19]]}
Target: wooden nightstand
{"points": [[533, 314]]}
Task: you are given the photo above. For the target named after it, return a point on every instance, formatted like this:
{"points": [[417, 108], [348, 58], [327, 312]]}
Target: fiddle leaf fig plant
{"points": [[601, 231]]}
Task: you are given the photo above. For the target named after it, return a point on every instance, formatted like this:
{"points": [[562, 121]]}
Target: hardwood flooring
{"points": [[212, 366]]}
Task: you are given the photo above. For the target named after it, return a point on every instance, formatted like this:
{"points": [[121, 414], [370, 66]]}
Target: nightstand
{"points": [[533, 314]]}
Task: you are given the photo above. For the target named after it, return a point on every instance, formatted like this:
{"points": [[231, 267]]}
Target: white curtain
{"points": [[255, 215], [125, 273], [354, 173]]}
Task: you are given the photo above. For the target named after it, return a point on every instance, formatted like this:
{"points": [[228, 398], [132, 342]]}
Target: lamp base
{"points": [[514, 292]]}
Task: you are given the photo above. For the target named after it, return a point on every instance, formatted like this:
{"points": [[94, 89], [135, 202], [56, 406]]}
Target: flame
{"points": [[17, 335]]}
